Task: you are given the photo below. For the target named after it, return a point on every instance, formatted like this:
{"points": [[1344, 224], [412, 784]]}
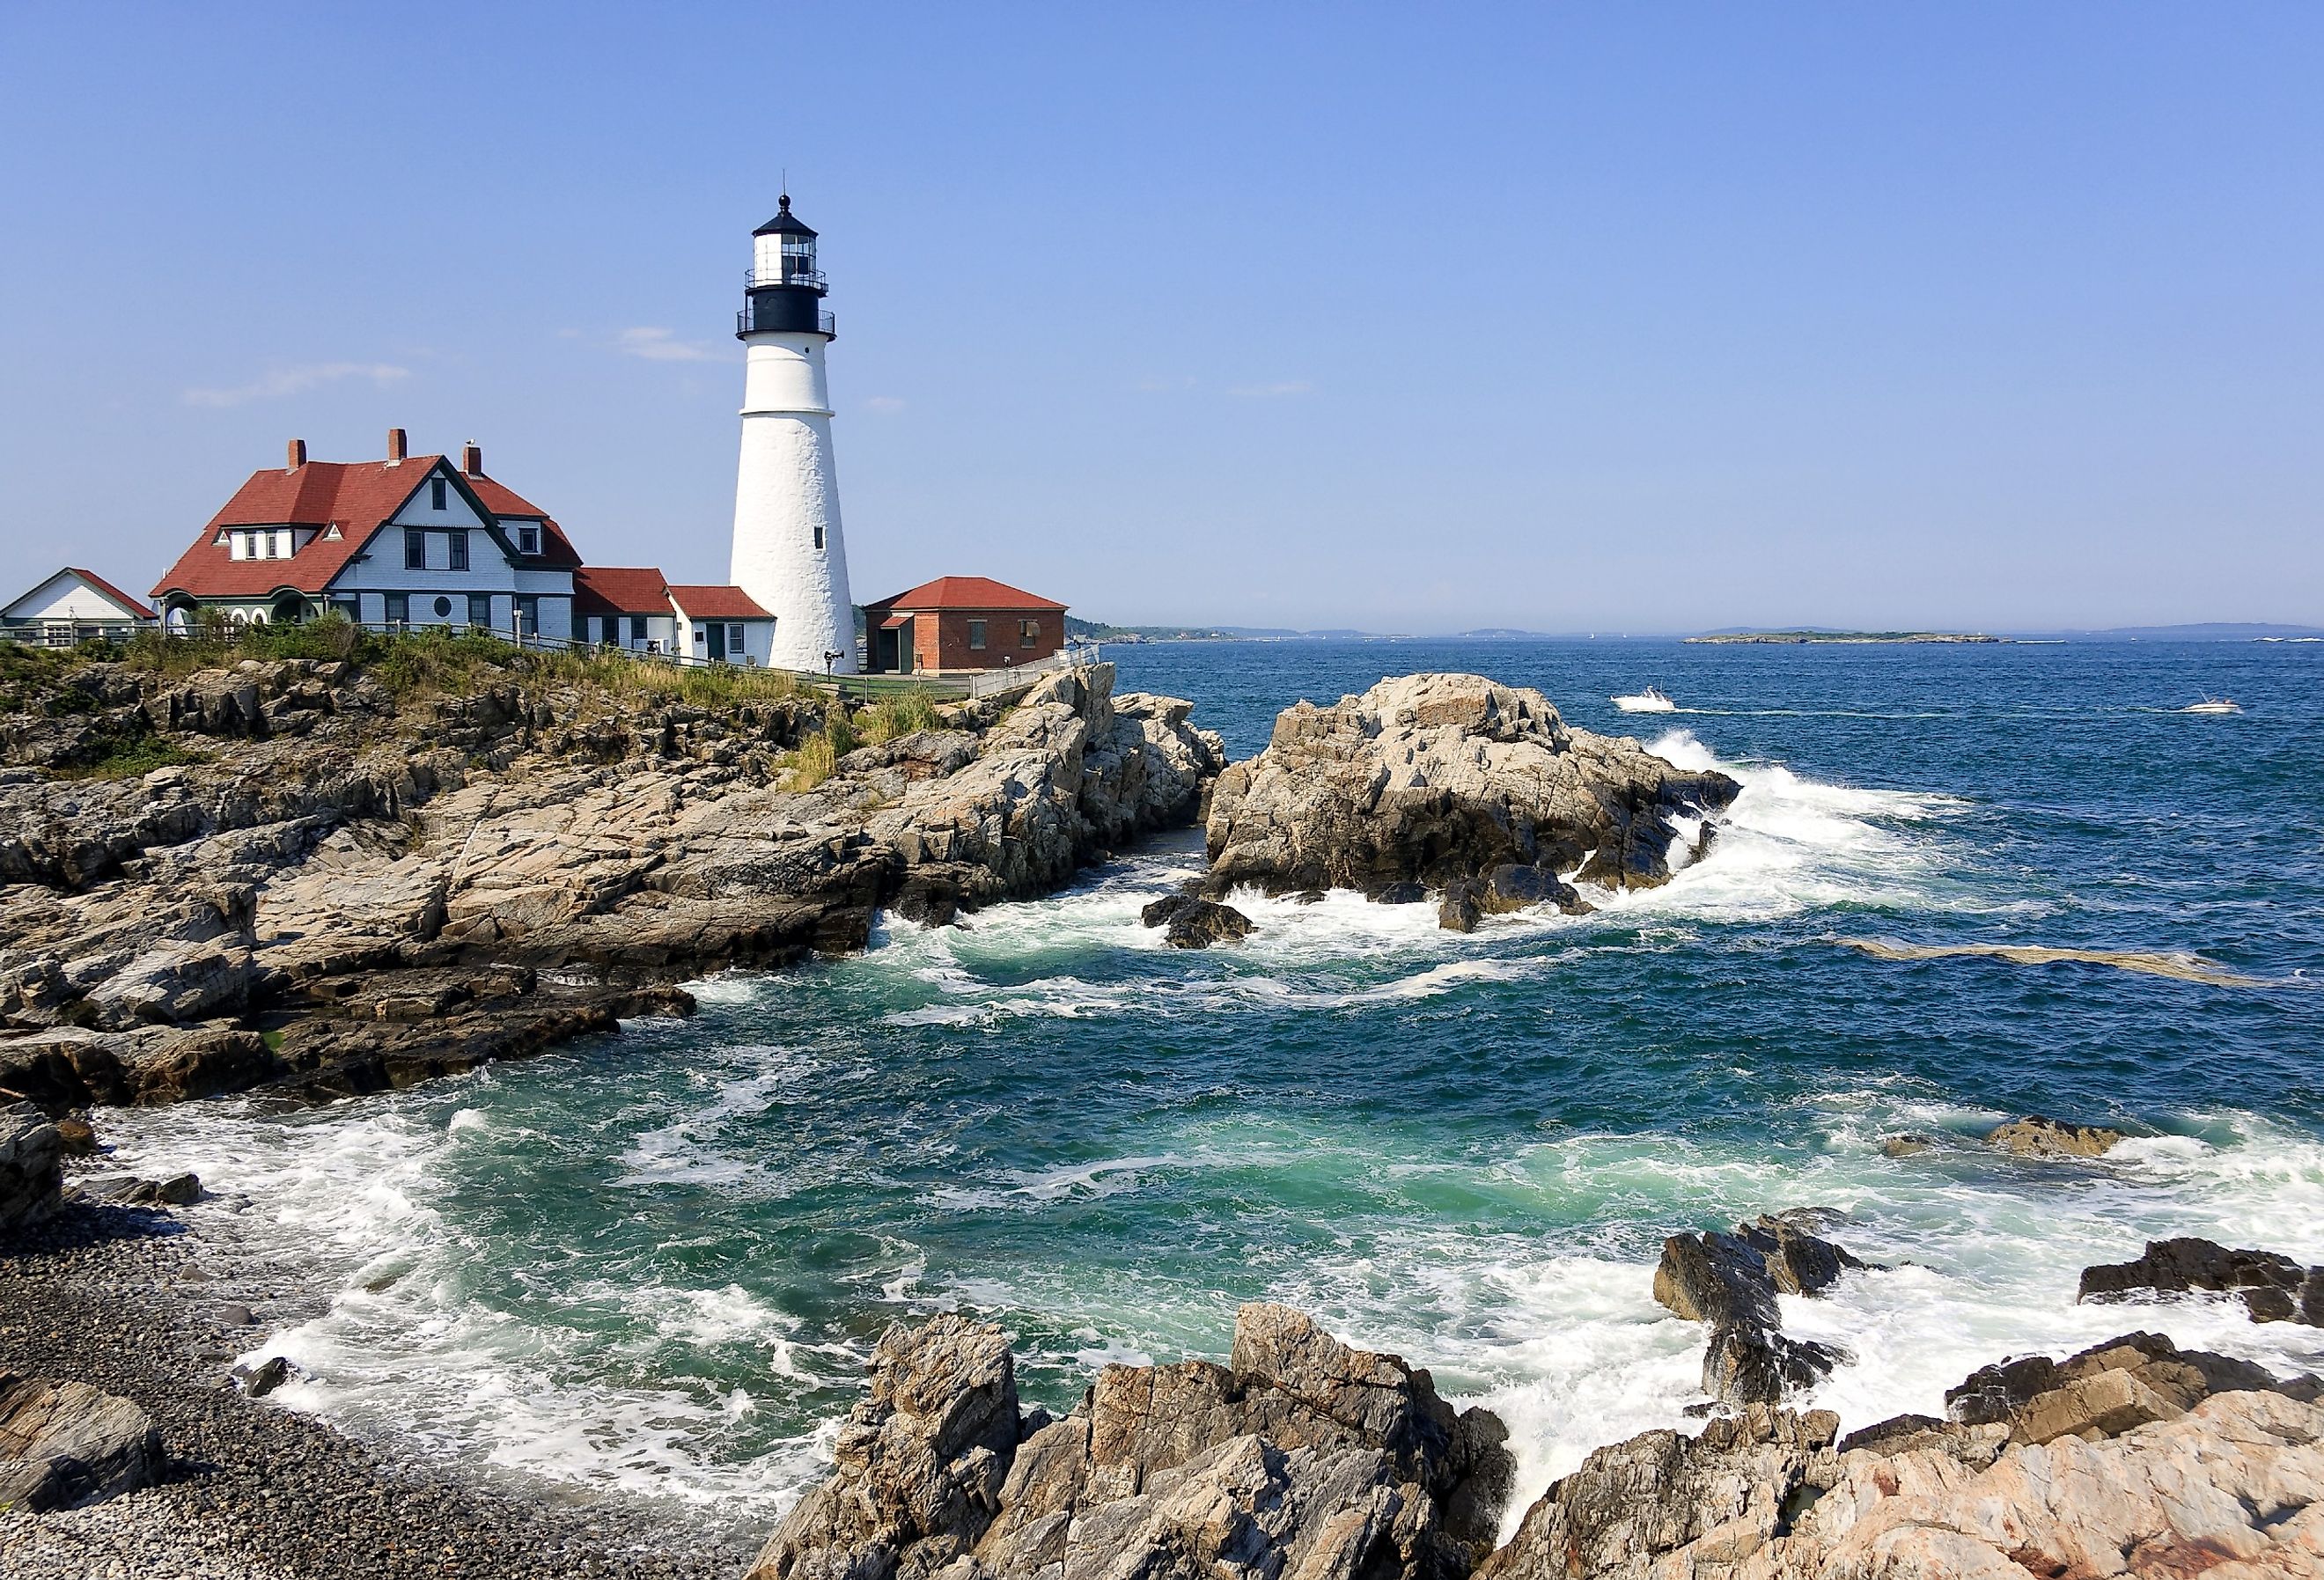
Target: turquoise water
{"points": [[656, 1263]]}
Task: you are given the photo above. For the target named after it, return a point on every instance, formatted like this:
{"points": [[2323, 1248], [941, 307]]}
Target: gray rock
{"points": [[2273, 1288], [31, 1167], [258, 1381], [1301, 1457], [2036, 1137], [1436, 780], [1198, 924], [63, 1444]]}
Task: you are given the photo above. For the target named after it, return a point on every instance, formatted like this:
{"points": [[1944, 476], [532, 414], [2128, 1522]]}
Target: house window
{"points": [[1028, 633], [527, 613], [443, 606], [976, 633], [528, 540], [285, 542], [436, 493], [637, 628], [459, 549], [399, 608], [415, 548], [733, 639]]}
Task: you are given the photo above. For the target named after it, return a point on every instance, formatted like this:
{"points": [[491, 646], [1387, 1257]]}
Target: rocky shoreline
{"points": [[120, 1299], [354, 890]]}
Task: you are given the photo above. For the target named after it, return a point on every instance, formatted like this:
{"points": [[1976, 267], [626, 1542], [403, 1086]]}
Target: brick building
{"points": [[961, 623]]}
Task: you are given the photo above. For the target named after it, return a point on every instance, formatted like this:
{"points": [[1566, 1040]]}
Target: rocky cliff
{"points": [[333, 888], [1305, 1459], [1455, 785]]}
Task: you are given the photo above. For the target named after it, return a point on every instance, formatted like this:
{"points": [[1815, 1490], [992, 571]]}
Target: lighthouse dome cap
{"points": [[785, 223]]}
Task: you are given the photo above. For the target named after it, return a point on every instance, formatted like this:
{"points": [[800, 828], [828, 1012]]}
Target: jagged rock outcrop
{"points": [[2132, 1459], [1452, 783], [1731, 1281], [358, 893], [2273, 1288], [31, 1167], [2036, 1137], [1301, 1457], [63, 1444]]}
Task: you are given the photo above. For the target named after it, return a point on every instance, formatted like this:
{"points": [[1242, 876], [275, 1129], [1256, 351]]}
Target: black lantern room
{"points": [[783, 289]]}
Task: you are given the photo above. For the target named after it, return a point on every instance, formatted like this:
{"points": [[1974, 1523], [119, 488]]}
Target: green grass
{"points": [[817, 758], [134, 758], [896, 716]]}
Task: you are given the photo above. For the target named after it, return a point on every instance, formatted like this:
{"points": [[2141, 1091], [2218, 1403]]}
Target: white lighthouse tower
{"points": [[788, 554]]}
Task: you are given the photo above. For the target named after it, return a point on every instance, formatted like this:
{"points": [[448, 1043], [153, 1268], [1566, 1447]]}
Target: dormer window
{"points": [[436, 488], [528, 540]]}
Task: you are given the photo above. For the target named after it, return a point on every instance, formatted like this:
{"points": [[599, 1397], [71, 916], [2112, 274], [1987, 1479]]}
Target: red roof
{"points": [[966, 592], [110, 591], [358, 497], [615, 589], [698, 603]]}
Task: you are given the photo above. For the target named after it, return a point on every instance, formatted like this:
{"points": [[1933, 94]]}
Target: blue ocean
{"points": [[654, 1266]]}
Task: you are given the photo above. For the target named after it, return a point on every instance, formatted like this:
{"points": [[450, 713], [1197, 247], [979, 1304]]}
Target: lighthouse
{"points": [[788, 554]]}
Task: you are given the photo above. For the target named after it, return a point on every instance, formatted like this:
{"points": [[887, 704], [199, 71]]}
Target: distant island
{"points": [[1844, 636]]}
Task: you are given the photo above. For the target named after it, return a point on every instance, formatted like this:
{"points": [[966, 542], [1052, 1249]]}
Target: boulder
{"points": [[31, 1167], [1434, 780], [1303, 1457], [1732, 1281], [63, 1444], [2104, 1390], [2273, 1288], [1730, 1489], [2036, 1137], [1906, 1146], [1200, 923], [258, 1381]]}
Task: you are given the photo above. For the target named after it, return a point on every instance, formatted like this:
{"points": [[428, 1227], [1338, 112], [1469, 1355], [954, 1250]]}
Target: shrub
{"points": [[817, 758]]}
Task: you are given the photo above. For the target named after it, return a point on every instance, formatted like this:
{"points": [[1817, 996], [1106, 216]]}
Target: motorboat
{"points": [[1650, 700], [2213, 704]]}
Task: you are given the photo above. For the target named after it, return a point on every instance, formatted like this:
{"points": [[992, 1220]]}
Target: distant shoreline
{"points": [[1849, 638]]}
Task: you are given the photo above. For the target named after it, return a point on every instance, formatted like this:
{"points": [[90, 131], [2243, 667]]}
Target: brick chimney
{"points": [[298, 454], [396, 447], [472, 458]]}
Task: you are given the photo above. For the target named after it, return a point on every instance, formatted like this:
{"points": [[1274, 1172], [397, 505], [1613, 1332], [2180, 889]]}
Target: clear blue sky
{"points": [[1413, 318]]}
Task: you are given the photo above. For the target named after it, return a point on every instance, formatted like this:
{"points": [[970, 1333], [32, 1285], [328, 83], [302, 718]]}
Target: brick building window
{"points": [[976, 633], [1028, 633]]}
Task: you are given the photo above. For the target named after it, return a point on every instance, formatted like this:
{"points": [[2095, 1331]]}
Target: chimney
{"points": [[298, 454], [395, 446], [472, 458]]}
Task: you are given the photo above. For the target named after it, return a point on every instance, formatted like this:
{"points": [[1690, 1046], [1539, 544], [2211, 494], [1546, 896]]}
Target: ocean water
{"points": [[654, 1265]]}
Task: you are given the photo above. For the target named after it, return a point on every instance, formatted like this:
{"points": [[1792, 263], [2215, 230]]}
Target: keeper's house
{"points": [[632, 607], [408, 540], [71, 607], [961, 623]]}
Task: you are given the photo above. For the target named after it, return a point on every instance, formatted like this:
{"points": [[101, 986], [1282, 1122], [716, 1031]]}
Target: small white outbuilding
{"points": [[70, 607]]}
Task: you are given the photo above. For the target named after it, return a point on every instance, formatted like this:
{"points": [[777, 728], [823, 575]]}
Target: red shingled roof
{"points": [[966, 592], [110, 591], [615, 589], [358, 497], [700, 602]]}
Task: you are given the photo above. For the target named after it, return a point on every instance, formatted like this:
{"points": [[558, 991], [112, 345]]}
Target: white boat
{"points": [[2213, 704], [1650, 700]]}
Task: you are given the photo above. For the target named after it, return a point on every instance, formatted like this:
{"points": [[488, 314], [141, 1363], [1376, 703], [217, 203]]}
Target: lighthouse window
{"points": [[818, 535]]}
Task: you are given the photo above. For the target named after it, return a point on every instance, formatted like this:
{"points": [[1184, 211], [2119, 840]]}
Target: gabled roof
{"points": [[616, 589], [358, 497], [706, 603], [966, 592], [127, 604]]}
